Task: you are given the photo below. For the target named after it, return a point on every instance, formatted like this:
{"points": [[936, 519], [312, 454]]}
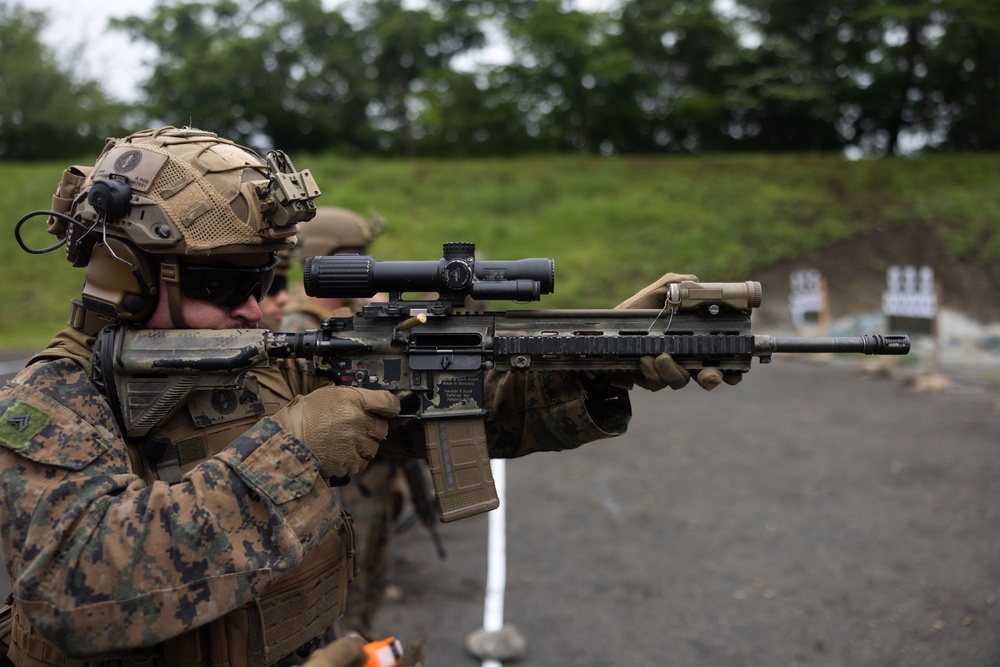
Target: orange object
{"points": [[383, 653]]}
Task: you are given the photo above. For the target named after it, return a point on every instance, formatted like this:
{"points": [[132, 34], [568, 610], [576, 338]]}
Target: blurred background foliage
{"points": [[384, 78]]}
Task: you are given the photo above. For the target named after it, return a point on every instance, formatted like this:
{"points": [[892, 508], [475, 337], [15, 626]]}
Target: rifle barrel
{"points": [[867, 344]]}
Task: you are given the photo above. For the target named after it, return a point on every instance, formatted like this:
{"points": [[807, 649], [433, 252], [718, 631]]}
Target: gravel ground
{"points": [[813, 515]]}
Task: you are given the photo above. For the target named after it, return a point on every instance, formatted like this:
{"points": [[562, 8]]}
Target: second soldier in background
{"points": [[369, 498]]}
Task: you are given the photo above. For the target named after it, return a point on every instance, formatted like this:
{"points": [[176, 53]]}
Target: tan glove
{"points": [[655, 294], [345, 652], [341, 425], [662, 371]]}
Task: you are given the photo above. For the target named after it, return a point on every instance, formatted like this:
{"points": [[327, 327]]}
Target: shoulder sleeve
{"points": [[545, 412], [51, 414]]}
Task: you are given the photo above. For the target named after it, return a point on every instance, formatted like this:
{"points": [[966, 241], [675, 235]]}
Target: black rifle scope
{"points": [[457, 273]]}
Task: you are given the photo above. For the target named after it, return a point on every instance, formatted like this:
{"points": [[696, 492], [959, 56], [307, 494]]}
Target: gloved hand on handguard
{"points": [[662, 371]]}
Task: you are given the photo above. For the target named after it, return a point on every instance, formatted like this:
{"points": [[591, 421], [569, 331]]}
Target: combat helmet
{"points": [[164, 193], [336, 229]]}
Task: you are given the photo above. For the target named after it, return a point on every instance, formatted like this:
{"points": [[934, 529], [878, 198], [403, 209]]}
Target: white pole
{"points": [[496, 560], [495, 641]]}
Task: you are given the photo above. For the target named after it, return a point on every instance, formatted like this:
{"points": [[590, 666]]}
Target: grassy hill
{"points": [[614, 225]]}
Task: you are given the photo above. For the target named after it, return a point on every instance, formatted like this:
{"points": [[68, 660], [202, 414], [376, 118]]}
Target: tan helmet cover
{"points": [[335, 228], [176, 192], [193, 192]]}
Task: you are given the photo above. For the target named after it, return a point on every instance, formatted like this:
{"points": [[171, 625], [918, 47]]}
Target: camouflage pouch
{"points": [[296, 610], [6, 628], [28, 649], [70, 186]]}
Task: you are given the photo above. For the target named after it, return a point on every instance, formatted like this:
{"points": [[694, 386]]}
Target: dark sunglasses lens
{"points": [[226, 285]]}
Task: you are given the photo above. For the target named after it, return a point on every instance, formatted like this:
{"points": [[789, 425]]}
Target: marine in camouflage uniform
{"points": [[368, 498], [215, 539], [230, 549]]}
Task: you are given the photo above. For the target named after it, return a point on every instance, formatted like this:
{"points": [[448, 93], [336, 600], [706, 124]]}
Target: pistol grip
{"points": [[460, 467]]}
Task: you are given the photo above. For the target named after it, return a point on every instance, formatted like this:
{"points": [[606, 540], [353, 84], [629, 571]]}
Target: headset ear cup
{"points": [[121, 282], [111, 198]]}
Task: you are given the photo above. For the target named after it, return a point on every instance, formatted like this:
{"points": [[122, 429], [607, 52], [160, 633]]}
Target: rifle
{"points": [[441, 352]]}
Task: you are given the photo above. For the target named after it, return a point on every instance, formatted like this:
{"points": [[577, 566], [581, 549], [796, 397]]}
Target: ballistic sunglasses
{"points": [[225, 284]]}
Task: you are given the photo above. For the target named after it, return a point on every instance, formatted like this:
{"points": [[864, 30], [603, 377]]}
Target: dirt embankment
{"points": [[855, 272]]}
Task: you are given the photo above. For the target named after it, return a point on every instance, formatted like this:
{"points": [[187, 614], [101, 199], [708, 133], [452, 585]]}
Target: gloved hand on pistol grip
{"points": [[343, 426], [662, 371]]}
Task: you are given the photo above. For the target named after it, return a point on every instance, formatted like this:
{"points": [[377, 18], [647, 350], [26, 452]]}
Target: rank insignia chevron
{"points": [[20, 422]]}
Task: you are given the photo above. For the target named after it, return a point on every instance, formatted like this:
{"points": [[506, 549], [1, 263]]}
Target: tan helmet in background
{"points": [[163, 193], [336, 229]]}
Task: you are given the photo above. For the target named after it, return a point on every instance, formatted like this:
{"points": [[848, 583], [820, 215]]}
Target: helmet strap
{"points": [[171, 275]]}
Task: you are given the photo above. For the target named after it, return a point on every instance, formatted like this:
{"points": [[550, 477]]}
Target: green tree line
{"points": [[377, 77]]}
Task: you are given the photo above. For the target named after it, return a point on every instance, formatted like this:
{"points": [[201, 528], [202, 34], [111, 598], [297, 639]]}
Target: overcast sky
{"points": [[110, 56]]}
